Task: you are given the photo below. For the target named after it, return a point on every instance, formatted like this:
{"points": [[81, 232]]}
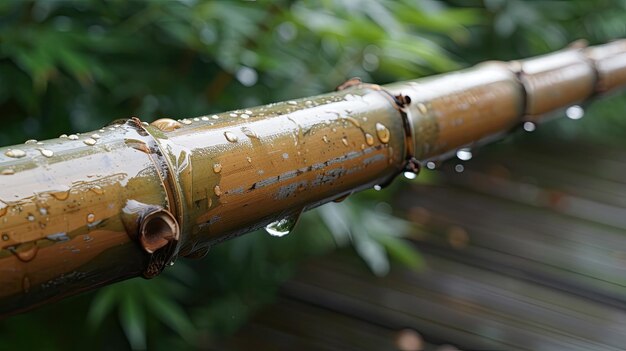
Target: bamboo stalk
{"points": [[82, 211]]}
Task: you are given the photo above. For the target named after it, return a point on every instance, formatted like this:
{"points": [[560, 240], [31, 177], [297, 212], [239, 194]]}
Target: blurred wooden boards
{"points": [[525, 250]]}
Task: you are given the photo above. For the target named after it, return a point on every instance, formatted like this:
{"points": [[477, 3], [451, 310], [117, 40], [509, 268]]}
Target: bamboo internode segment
{"points": [[82, 211], [463, 108]]}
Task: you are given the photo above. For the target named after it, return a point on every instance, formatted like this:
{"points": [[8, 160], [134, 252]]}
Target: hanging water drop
{"points": [[282, 226], [369, 139], [410, 175], [431, 165], [26, 252], [75, 137], [529, 126], [464, 154], [575, 112], [378, 187]]}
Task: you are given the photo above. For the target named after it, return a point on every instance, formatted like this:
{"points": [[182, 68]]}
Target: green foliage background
{"points": [[74, 66]]}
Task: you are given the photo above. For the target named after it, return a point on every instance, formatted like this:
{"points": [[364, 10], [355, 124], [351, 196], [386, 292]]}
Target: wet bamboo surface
{"points": [[524, 250], [85, 210]]}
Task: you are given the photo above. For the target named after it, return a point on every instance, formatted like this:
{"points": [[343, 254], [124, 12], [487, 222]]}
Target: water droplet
{"points": [[369, 139], [325, 138], [575, 112], [166, 124], [233, 114], [26, 284], [95, 136], [217, 191], [410, 175], [378, 187], [353, 121], [186, 122], [344, 140], [431, 165], [8, 171], [217, 168], [5, 237], [97, 190], [46, 152], [249, 133], [15, 153], [60, 194], [383, 133], [285, 155], [245, 116], [529, 126], [464, 154], [196, 119], [282, 226], [75, 137], [90, 141], [30, 141], [341, 198], [91, 218], [43, 211], [459, 168], [249, 159], [292, 103], [231, 137], [63, 136], [30, 217], [26, 252], [215, 117]]}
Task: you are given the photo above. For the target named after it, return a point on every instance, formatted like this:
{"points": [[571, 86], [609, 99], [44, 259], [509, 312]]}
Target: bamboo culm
{"points": [[86, 210]]}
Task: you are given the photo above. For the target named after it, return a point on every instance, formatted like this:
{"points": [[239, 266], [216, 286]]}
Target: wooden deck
{"points": [[524, 250]]}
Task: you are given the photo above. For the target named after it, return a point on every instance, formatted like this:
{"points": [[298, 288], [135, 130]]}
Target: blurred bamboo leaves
{"points": [[68, 66]]}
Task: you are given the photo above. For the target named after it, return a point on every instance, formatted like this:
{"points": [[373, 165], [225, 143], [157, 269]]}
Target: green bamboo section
{"points": [[85, 210]]}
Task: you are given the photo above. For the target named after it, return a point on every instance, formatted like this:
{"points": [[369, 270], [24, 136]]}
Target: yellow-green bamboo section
{"points": [[85, 210]]}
